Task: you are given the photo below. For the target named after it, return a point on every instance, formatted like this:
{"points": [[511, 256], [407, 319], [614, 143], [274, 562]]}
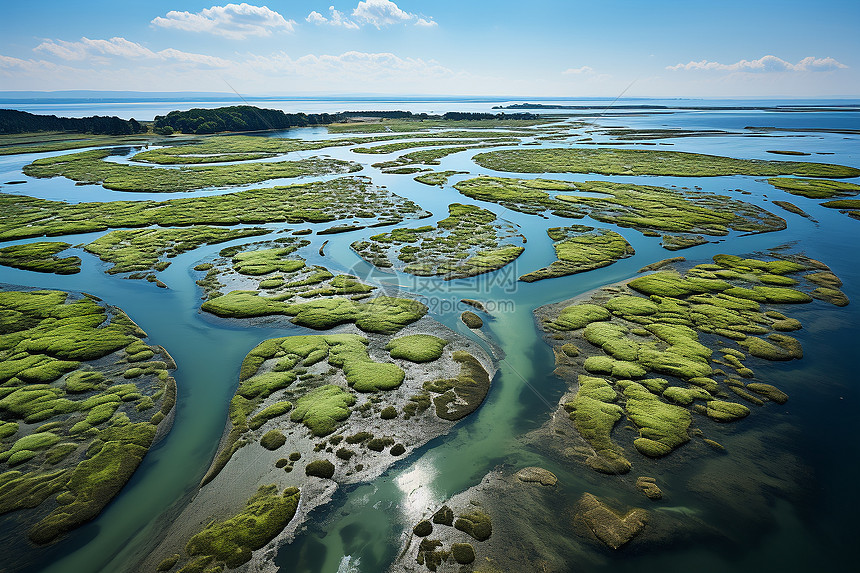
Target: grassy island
{"points": [[40, 257], [90, 167], [323, 201], [646, 208], [579, 249], [682, 349], [82, 397], [650, 162], [469, 242]]}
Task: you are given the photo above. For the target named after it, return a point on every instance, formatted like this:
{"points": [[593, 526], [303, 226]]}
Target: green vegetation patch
{"points": [[416, 159], [458, 397], [264, 261], [471, 319], [30, 443], [90, 167], [96, 480], [320, 468], [439, 178], [722, 411], [594, 413], [672, 284], [579, 249], [401, 145], [626, 305], [40, 257], [652, 208], [463, 553], [646, 208], [662, 427], [679, 242], [476, 524], [322, 408], [48, 141], [673, 332], [143, 249], [768, 391], [273, 411], [846, 204], [423, 528], [523, 195], [233, 540], [22, 491], [578, 316], [47, 340], [469, 242], [323, 201], [272, 265], [649, 162], [219, 149], [815, 188], [385, 125], [273, 439], [385, 315], [417, 347]]}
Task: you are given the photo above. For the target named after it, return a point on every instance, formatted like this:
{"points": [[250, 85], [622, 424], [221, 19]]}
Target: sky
{"points": [[539, 48]]}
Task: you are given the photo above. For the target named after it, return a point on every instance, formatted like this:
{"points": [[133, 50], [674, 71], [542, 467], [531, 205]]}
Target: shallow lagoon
{"points": [[810, 529]]}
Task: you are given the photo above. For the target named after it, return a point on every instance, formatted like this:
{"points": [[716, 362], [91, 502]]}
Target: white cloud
{"points": [[86, 48], [579, 71], [316, 18], [378, 13], [233, 21], [102, 50], [8, 64], [763, 65], [191, 58], [336, 18]]}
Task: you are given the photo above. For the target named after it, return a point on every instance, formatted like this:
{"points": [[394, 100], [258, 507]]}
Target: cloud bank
{"points": [[101, 51], [764, 64]]}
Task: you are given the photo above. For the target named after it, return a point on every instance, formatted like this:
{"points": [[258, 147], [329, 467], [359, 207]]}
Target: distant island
{"points": [[783, 108]]}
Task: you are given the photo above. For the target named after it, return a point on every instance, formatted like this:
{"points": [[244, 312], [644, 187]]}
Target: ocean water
{"points": [[792, 508]]}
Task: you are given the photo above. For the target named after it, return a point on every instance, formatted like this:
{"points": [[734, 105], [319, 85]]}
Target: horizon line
{"points": [[34, 94]]}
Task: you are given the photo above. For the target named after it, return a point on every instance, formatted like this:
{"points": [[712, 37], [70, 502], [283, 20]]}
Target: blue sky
{"points": [[506, 48]]}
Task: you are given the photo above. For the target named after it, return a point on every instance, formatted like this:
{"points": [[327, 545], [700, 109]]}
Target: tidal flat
{"points": [[488, 365]]}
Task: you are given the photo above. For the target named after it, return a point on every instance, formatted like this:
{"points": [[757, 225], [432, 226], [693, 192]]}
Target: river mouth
{"points": [[801, 522]]}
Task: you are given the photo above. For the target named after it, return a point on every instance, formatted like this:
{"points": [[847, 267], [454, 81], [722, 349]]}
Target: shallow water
{"points": [[812, 528]]}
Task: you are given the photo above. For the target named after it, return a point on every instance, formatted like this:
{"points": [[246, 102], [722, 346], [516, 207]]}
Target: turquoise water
{"points": [[364, 522]]}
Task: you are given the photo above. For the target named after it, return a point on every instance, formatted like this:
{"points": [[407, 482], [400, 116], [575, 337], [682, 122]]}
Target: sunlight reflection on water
{"points": [[418, 494]]}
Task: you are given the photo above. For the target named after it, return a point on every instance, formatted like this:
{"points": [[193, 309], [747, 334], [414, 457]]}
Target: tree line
{"points": [[236, 118], [250, 118], [14, 121], [204, 121]]}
